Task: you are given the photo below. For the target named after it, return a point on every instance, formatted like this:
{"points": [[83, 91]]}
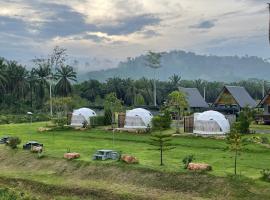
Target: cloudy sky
{"points": [[102, 32]]}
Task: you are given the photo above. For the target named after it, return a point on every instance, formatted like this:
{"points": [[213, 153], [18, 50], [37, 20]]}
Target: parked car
{"points": [[105, 155], [30, 144], [4, 140]]}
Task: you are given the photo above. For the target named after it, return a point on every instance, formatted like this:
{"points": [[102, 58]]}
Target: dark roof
{"points": [[241, 96], [194, 98], [264, 99]]}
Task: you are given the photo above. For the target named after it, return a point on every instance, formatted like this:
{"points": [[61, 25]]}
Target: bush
{"points": [[188, 159], [264, 140], [97, 121], [162, 121], [265, 175], [13, 142], [8, 119], [59, 122]]}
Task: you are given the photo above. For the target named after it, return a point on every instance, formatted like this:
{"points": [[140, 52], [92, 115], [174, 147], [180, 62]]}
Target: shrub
{"points": [[188, 159], [265, 175], [264, 140], [8, 119], [59, 121], [13, 142], [97, 121]]}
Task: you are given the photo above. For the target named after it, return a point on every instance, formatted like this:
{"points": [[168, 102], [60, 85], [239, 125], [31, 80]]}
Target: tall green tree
{"points": [[42, 73], [154, 61], [64, 76], [177, 102], [113, 104]]}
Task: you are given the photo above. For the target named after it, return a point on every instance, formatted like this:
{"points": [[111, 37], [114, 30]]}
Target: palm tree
{"points": [[64, 75], [153, 61], [42, 73], [3, 80], [175, 81], [17, 80]]}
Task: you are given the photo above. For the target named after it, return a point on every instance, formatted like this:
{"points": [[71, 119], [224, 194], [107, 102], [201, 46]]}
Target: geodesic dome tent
{"points": [[138, 118], [82, 116], [210, 123]]}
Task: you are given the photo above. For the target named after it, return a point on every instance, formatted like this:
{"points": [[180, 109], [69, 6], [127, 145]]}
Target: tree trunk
{"points": [[178, 122], [161, 156], [235, 162], [155, 89]]}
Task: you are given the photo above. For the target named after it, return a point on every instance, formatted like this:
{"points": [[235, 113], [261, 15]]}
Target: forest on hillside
{"points": [[190, 66]]}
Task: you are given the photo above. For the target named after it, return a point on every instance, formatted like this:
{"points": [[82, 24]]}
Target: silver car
{"points": [[105, 155]]}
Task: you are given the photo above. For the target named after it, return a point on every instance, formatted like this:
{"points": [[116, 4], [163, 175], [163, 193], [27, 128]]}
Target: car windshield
{"points": [[100, 153]]}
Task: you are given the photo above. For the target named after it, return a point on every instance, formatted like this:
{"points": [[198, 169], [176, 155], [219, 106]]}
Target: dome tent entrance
{"points": [[138, 118], [210, 123], [80, 116]]}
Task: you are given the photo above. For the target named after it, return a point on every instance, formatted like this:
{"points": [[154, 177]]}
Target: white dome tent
{"points": [[80, 116], [210, 123], [138, 118]]}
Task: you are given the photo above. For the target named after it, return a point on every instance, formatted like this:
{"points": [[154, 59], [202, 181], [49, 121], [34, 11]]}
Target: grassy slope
{"points": [[121, 181]]}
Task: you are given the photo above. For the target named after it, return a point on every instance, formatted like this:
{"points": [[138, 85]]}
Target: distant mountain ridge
{"points": [[190, 66]]}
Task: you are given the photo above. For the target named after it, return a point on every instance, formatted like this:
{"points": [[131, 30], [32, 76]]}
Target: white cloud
{"points": [[120, 28]]}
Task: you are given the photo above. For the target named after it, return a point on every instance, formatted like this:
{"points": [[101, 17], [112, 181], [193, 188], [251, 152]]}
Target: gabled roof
{"points": [[240, 95], [194, 98], [264, 99]]}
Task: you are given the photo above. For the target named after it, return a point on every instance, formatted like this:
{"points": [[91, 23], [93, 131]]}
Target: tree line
{"points": [[23, 89]]}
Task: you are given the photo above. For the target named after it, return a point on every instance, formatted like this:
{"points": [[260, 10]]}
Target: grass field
{"points": [[130, 182]]}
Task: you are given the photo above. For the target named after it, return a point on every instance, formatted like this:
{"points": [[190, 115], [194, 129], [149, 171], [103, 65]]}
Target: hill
{"points": [[190, 66]]}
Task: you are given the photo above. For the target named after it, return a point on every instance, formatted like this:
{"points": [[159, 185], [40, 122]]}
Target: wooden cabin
{"points": [[265, 104], [195, 100], [232, 99]]}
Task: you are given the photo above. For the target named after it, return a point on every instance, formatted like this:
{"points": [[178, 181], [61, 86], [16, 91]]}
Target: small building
{"points": [[210, 123], [138, 118], [81, 117], [195, 100], [265, 104], [232, 99]]}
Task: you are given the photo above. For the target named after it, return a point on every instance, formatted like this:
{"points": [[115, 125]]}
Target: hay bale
{"points": [[43, 129], [129, 159], [199, 167], [71, 156]]}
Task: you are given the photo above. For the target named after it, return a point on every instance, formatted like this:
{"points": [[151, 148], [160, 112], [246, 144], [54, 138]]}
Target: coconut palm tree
{"points": [[175, 81], [3, 80], [64, 76], [42, 73]]}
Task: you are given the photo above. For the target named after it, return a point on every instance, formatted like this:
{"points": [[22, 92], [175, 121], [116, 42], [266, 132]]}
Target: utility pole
{"points": [[50, 79], [204, 92], [263, 90], [51, 109], [269, 23]]}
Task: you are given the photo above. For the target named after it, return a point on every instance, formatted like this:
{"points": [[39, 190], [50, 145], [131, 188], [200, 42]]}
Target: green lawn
{"points": [[212, 151], [253, 159]]}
